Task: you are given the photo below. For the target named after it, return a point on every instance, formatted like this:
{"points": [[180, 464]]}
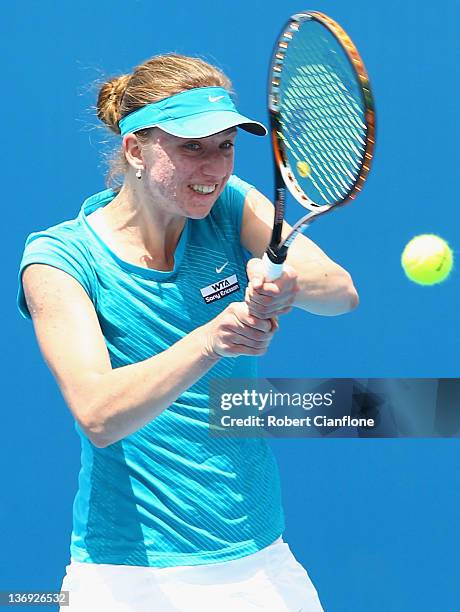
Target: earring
{"points": [[139, 174]]}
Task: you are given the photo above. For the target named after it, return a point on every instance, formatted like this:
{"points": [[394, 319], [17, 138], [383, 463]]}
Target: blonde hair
{"points": [[157, 78]]}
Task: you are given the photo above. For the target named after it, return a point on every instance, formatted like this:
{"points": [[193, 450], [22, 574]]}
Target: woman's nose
{"points": [[216, 165]]}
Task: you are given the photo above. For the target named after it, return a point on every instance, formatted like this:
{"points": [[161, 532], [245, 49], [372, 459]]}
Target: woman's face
{"points": [[186, 176]]}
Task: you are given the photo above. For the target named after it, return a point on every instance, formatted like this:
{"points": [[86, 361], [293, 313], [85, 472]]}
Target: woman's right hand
{"points": [[236, 332]]}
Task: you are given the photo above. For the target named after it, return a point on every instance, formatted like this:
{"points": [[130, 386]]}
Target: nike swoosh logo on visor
{"points": [[215, 98]]}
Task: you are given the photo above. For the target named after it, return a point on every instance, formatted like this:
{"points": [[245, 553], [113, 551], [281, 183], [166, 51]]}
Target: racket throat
{"points": [[277, 255]]}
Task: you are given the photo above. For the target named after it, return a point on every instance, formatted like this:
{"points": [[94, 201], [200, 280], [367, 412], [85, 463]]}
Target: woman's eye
{"points": [[192, 146], [196, 146]]}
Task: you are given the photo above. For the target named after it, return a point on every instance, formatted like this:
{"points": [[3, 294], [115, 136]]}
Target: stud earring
{"points": [[139, 174]]}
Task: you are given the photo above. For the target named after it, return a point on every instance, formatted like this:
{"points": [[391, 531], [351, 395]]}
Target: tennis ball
{"points": [[303, 169], [427, 259]]}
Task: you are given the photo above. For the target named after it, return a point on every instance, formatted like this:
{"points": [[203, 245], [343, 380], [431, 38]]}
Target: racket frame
{"points": [[284, 177]]}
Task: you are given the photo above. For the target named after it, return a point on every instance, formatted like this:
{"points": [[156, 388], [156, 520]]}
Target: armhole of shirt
{"points": [[49, 250]]}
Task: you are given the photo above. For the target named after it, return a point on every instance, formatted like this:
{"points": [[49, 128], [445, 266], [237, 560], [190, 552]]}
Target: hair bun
{"points": [[109, 101]]}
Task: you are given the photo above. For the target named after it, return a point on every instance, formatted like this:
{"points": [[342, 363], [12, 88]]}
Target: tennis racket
{"points": [[322, 124]]}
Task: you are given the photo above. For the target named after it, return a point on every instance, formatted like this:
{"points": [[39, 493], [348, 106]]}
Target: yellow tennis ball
{"points": [[303, 169], [427, 259]]}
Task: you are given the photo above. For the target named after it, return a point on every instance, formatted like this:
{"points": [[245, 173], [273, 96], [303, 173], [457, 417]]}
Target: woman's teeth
{"points": [[203, 188]]}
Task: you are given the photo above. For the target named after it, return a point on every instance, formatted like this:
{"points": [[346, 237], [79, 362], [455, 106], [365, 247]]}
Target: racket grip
{"points": [[272, 270]]}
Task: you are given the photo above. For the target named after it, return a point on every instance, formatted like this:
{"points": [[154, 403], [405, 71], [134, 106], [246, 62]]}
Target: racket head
{"points": [[321, 112]]}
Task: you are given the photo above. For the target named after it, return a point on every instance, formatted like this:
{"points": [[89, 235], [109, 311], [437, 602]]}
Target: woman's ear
{"points": [[133, 151]]}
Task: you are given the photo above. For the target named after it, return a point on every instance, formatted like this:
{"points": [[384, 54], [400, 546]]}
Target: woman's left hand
{"points": [[266, 299]]}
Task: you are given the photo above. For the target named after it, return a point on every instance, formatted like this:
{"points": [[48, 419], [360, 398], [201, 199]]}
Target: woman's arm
{"points": [[323, 287], [110, 404]]}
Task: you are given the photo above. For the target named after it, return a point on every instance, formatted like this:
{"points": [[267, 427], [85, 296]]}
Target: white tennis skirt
{"points": [[270, 580]]}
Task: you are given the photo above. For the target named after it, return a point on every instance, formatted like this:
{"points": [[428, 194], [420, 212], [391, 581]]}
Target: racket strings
{"points": [[322, 116], [331, 141]]}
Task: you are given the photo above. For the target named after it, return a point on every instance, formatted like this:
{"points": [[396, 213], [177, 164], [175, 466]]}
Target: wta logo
{"points": [[218, 290]]}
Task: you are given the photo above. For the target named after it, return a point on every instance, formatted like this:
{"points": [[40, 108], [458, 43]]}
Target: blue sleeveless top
{"points": [[168, 494]]}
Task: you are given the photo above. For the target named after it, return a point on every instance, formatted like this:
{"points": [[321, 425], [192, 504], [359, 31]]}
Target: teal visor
{"points": [[195, 113]]}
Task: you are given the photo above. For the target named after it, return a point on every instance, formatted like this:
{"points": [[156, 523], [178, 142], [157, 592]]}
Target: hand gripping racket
{"points": [[322, 124]]}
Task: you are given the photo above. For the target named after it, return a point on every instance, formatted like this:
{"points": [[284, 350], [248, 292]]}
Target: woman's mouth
{"points": [[203, 189]]}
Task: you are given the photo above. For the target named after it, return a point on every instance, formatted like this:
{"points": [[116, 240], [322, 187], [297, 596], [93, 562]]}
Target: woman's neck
{"points": [[138, 231]]}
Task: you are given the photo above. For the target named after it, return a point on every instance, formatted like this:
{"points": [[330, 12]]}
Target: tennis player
{"points": [[136, 304]]}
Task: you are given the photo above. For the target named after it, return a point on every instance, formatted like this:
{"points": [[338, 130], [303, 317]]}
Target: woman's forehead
{"points": [[165, 137]]}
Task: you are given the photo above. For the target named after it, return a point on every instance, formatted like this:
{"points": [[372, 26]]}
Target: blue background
{"points": [[375, 522]]}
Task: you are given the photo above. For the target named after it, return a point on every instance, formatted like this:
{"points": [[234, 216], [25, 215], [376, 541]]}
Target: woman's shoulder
{"points": [[236, 186], [63, 246], [228, 209], [67, 237]]}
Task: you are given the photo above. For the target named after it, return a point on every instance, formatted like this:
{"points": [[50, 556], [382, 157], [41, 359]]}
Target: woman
{"points": [[166, 517]]}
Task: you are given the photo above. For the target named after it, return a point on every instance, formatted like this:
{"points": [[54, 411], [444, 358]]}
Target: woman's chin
{"points": [[200, 206]]}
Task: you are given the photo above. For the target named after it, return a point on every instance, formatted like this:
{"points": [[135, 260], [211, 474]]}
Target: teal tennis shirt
{"points": [[168, 494]]}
